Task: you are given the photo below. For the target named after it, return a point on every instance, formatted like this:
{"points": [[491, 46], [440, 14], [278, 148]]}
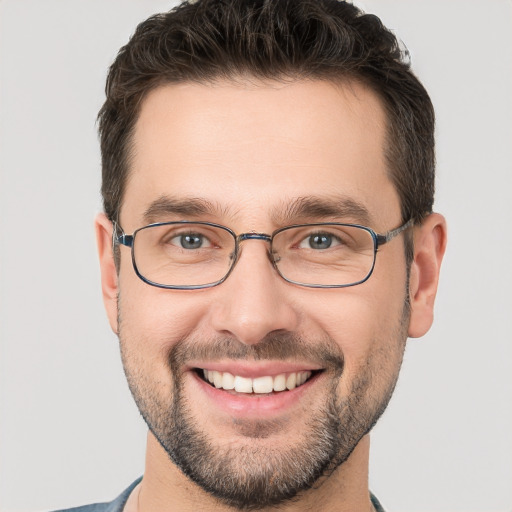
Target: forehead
{"points": [[251, 147]]}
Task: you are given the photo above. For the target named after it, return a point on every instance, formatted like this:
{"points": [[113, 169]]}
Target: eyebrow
{"points": [[165, 206], [301, 209], [336, 208]]}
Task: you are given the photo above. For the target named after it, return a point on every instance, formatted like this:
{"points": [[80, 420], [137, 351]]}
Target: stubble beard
{"points": [[251, 474]]}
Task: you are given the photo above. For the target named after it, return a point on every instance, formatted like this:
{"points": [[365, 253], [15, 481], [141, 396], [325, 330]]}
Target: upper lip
{"points": [[255, 369]]}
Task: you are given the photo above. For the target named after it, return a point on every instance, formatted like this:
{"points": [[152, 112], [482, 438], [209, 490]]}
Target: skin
{"points": [[252, 149]]}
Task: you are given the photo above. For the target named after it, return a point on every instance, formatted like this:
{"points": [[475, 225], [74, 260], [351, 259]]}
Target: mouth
{"points": [[263, 385]]}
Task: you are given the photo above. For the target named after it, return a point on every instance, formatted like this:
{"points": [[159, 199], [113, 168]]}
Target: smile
{"points": [[259, 385]]}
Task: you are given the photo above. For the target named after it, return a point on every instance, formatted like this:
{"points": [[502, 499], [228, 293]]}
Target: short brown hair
{"points": [[207, 40]]}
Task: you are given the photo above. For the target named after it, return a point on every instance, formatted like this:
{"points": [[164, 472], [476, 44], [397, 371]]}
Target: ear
{"points": [[429, 247], [109, 278]]}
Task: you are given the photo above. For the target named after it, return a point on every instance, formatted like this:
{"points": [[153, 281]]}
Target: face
{"points": [[250, 156]]}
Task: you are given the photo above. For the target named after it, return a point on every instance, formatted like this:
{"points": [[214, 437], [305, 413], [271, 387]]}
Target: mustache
{"points": [[281, 346]]}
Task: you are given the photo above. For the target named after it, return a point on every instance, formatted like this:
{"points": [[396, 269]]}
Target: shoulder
{"points": [[112, 506], [376, 504], [95, 507]]}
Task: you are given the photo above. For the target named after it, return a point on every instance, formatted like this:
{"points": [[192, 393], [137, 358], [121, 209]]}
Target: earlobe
{"points": [[109, 277], [429, 248]]}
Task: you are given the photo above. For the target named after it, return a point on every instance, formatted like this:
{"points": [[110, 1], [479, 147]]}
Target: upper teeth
{"points": [[267, 384]]}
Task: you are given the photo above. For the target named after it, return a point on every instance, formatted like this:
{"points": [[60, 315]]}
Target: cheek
{"points": [[357, 319], [153, 320], [154, 312], [366, 321]]}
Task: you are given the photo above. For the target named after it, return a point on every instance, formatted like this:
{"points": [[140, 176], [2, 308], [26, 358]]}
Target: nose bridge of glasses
{"points": [[254, 236]]}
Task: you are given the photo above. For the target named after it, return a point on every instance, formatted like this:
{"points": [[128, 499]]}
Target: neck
{"points": [[165, 488]]}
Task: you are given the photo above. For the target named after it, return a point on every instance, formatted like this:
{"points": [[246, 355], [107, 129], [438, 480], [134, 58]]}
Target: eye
{"points": [[319, 241], [190, 241]]}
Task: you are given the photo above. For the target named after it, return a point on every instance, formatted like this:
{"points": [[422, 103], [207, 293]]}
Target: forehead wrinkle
{"points": [[336, 208], [190, 207]]}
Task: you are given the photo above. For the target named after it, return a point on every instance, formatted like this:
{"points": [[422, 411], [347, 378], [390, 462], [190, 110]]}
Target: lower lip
{"points": [[251, 404]]}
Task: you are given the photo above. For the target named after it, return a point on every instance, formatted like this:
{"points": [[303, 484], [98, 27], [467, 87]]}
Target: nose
{"points": [[254, 301]]}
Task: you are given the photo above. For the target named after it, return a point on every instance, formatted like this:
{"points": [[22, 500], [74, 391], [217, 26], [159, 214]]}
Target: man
{"points": [[256, 157]]}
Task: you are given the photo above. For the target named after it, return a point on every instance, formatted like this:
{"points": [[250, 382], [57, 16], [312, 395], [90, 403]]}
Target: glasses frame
{"points": [[379, 239]]}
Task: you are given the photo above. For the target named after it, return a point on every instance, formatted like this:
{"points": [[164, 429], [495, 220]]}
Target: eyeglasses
{"points": [[186, 255]]}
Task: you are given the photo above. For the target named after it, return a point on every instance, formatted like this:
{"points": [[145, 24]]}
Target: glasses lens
{"points": [[183, 254], [324, 255]]}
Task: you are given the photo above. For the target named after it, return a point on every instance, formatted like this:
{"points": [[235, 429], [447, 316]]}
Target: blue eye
{"points": [[191, 241], [319, 241]]}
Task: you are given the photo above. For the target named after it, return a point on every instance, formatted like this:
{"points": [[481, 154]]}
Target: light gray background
{"points": [[69, 433]]}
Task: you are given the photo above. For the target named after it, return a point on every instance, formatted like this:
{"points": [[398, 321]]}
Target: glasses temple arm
{"points": [[120, 239], [386, 237]]}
